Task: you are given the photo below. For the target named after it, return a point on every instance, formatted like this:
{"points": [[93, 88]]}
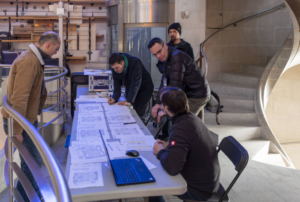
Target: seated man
{"points": [[130, 71], [191, 150]]}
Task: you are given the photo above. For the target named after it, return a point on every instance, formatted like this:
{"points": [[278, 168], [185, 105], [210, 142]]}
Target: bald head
{"points": [[49, 37], [49, 43]]}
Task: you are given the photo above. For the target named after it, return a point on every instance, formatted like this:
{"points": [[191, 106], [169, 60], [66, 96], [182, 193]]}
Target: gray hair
{"points": [[49, 37]]}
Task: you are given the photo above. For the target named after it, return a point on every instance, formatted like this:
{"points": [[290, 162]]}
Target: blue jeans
{"points": [[186, 196], [28, 144]]}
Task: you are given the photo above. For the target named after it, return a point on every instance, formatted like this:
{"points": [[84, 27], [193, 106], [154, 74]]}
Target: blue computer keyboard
{"points": [[124, 170]]}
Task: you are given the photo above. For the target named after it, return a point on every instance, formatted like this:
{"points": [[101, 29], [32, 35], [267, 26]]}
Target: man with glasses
{"points": [[180, 71], [175, 31], [26, 93], [130, 71]]}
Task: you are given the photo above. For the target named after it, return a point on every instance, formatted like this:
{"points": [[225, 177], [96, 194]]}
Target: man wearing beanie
{"points": [[175, 31]]}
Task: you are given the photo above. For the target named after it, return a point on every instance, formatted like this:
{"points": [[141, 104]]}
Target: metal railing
{"points": [[202, 54], [61, 191]]}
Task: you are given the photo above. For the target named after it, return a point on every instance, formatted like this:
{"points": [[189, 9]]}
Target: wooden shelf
{"points": [[56, 1], [49, 17], [26, 41], [100, 36], [76, 58]]}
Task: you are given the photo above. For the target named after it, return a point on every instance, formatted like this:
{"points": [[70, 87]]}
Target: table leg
{"points": [[146, 199]]}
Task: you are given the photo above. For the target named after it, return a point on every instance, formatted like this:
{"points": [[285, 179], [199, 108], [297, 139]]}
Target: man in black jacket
{"points": [[191, 150], [175, 31], [180, 71], [130, 71]]}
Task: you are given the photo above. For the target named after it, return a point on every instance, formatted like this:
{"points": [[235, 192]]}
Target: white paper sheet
{"points": [[124, 117], [90, 108], [90, 119], [118, 130], [95, 72], [139, 143], [115, 149], [149, 165], [85, 175], [115, 108], [91, 100], [89, 96], [91, 133], [87, 152]]}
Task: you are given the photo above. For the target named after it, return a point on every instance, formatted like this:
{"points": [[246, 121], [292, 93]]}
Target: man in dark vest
{"points": [[130, 71], [175, 31]]}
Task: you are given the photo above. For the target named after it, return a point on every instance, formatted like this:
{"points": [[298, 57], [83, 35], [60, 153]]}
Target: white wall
{"points": [[193, 28]]}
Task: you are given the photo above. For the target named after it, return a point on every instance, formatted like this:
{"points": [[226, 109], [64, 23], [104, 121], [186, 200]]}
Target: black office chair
{"points": [[239, 157]]}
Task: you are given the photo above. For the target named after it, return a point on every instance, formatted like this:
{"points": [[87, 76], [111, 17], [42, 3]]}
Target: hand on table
{"points": [[124, 103], [111, 100], [158, 145], [154, 110]]}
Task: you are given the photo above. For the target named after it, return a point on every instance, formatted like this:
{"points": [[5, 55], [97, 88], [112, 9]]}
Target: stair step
{"points": [[236, 102], [256, 70], [257, 149], [231, 89], [240, 78], [274, 159], [232, 117], [239, 132]]}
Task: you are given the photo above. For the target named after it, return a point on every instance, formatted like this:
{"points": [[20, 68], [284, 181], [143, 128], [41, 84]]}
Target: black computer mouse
{"points": [[132, 153]]}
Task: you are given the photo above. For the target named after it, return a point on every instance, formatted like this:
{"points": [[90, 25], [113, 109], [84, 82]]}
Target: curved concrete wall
{"points": [[253, 41]]}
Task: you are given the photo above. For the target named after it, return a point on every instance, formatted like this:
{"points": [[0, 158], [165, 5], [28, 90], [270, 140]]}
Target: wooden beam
{"points": [[49, 17], [56, 1], [26, 41], [76, 58]]}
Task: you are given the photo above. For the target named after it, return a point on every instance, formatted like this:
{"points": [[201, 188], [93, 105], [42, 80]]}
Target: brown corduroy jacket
{"points": [[26, 91]]}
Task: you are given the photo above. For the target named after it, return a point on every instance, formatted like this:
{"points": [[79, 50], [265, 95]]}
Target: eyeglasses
{"points": [[158, 52]]}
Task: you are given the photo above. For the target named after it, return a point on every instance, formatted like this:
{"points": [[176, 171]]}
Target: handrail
{"points": [[202, 55], [60, 184]]}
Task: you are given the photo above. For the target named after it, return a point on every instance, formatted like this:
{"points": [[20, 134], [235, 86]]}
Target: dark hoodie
{"points": [[136, 79]]}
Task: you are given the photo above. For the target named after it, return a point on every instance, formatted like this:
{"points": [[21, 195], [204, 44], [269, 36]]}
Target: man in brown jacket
{"points": [[26, 93]]}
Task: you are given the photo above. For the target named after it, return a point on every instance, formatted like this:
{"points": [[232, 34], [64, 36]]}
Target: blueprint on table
{"points": [[85, 175], [87, 152], [120, 130], [90, 119], [92, 133], [90, 108]]}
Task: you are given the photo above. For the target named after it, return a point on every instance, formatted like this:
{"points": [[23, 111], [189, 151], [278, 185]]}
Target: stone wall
{"points": [[253, 41], [193, 28]]}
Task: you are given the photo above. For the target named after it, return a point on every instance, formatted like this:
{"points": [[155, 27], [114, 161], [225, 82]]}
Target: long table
{"points": [[165, 184]]}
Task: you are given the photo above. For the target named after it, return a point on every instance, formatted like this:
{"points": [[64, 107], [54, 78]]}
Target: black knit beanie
{"points": [[176, 26]]}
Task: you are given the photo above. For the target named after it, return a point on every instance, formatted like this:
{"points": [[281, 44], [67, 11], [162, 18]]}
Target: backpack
{"points": [[214, 105]]}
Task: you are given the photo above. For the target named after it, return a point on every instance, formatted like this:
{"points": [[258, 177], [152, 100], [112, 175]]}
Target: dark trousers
{"points": [[196, 106], [28, 144], [142, 109]]}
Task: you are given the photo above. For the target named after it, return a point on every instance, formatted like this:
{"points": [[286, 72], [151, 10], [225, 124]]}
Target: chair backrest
{"points": [[77, 78], [237, 154]]}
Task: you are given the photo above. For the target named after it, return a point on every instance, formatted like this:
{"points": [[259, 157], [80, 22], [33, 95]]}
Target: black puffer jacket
{"points": [[136, 79], [181, 71], [182, 46]]}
